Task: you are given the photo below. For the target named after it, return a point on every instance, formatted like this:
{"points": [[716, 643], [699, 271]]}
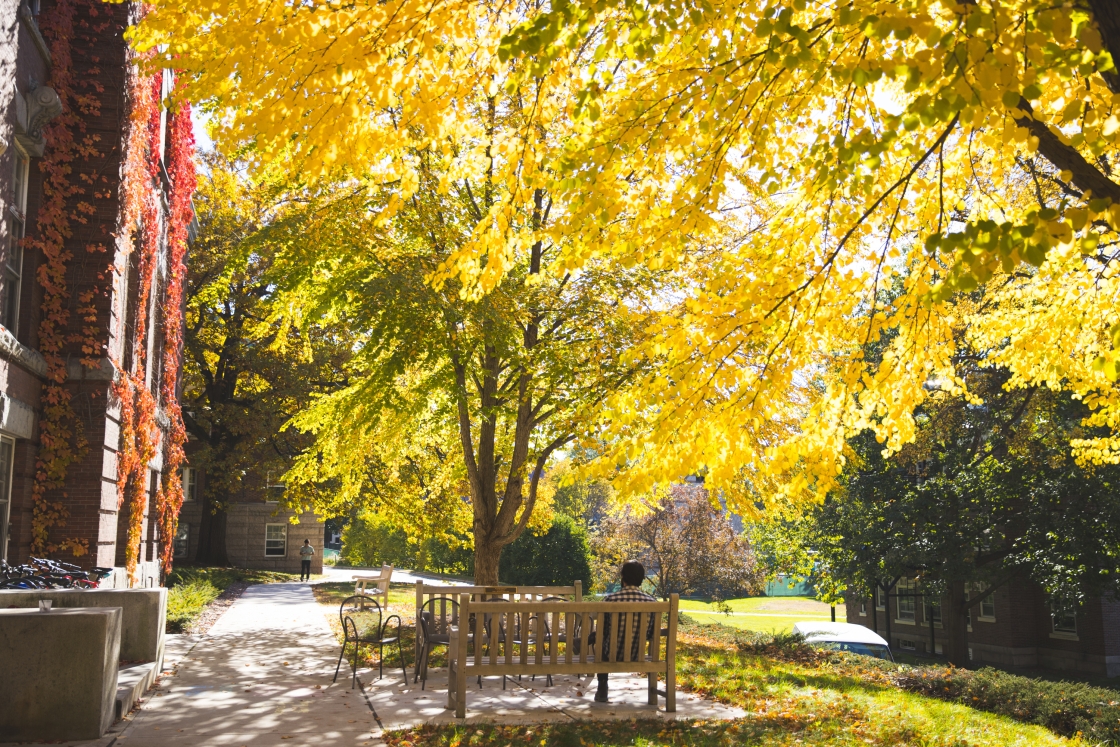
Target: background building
{"points": [[255, 531], [1014, 627]]}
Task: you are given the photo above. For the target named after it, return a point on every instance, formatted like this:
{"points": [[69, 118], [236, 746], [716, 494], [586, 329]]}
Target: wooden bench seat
{"points": [[497, 638]]}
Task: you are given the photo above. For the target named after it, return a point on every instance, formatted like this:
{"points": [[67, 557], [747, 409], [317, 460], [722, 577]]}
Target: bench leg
{"points": [[451, 679], [671, 690], [652, 678], [461, 693]]}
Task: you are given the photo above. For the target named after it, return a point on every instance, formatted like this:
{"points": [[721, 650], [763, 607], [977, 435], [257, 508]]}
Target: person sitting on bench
{"points": [[633, 574]]}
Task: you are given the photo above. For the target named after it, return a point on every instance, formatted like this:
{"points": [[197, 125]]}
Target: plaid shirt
{"points": [[626, 594]]}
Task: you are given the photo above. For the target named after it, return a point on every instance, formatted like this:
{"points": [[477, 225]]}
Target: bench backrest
{"points": [[424, 592], [361, 583], [539, 635]]}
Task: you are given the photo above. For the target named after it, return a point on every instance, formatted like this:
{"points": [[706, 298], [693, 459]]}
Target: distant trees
{"points": [[687, 544], [988, 491], [243, 377], [555, 557]]}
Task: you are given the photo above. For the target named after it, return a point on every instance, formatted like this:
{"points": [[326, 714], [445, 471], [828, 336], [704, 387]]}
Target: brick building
{"points": [[1014, 627], [85, 310], [256, 532]]}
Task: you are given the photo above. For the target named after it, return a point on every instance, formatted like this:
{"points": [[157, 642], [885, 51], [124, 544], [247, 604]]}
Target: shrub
{"points": [[371, 540], [190, 589], [186, 601], [1063, 707], [556, 558]]}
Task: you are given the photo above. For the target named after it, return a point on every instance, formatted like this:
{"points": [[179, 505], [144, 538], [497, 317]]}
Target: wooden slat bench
{"points": [[426, 592], [380, 582], [562, 637]]}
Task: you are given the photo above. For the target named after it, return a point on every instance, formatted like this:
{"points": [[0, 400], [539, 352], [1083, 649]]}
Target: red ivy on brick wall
{"points": [[140, 433], [181, 169], [140, 228], [60, 438]]}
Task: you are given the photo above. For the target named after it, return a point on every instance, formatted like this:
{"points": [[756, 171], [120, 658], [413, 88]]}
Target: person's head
{"points": [[633, 573], [307, 542]]}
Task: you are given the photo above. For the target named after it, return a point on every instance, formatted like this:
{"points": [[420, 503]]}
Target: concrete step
{"points": [[132, 682]]}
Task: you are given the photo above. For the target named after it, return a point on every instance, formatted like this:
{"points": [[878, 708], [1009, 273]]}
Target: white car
{"points": [[855, 639]]}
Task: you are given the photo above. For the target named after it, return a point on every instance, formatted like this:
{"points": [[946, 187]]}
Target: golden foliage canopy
{"points": [[832, 177]]}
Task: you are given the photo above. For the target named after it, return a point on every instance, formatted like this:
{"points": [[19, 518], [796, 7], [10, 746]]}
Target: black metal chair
{"points": [[363, 623], [434, 628]]}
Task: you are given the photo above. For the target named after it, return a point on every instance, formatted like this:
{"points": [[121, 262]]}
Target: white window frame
{"points": [[989, 603], [6, 473], [863, 609], [1067, 633], [906, 587], [267, 539], [880, 598], [907, 645], [929, 604], [182, 539], [190, 485], [11, 271]]}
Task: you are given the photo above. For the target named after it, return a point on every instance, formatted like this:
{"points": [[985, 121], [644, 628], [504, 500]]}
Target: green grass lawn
{"points": [[793, 695], [764, 614], [402, 601]]}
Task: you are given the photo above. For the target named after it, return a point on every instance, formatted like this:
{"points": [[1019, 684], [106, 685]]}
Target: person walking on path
{"points": [[633, 574], [305, 554]]}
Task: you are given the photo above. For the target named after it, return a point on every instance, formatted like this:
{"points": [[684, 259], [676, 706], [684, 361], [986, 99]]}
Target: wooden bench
{"points": [[381, 585], [562, 637], [426, 592]]}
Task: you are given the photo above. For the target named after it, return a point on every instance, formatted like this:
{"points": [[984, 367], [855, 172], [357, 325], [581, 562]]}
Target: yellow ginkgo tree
{"points": [[832, 177]]}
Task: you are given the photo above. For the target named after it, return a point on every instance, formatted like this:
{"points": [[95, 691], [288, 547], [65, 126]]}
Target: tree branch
{"points": [[1065, 157]]}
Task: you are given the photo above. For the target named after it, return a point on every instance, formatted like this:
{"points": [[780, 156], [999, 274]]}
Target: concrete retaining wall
{"points": [[143, 618], [58, 673]]}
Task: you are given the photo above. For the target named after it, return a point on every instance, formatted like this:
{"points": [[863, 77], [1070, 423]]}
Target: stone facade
{"points": [[1017, 630], [247, 529]]}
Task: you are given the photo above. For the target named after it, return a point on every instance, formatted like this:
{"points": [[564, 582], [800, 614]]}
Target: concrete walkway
{"points": [[261, 676], [345, 574], [400, 705]]}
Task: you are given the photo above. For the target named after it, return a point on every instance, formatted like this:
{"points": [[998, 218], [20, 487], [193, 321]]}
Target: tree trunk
{"points": [[212, 535], [487, 553], [954, 618]]}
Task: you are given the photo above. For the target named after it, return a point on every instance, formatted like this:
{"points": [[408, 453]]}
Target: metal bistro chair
{"points": [[521, 634], [362, 623], [434, 628]]}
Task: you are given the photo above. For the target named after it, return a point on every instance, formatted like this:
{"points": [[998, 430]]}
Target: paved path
{"points": [[261, 676], [335, 574], [401, 705]]}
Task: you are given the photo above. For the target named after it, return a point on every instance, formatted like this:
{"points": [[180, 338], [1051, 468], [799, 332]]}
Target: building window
{"points": [[182, 539], [1065, 621], [7, 452], [988, 606], [863, 609], [906, 644], [12, 269], [276, 540], [907, 602], [933, 610], [880, 598], [190, 489]]}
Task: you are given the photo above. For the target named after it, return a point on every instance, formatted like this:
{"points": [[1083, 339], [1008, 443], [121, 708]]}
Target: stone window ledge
{"points": [[15, 351], [1064, 636]]}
